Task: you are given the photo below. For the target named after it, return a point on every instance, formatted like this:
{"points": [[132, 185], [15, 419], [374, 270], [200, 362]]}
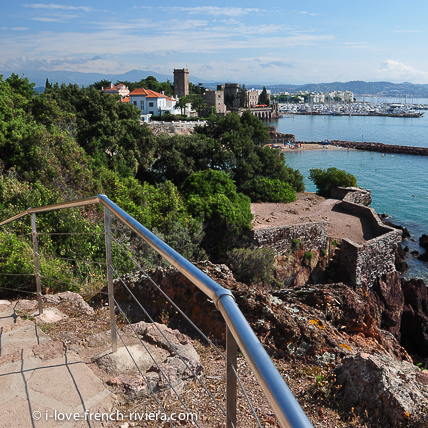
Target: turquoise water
{"points": [[399, 183], [388, 130]]}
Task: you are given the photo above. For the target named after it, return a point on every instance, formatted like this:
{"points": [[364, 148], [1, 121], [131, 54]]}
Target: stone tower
{"points": [[181, 82]]}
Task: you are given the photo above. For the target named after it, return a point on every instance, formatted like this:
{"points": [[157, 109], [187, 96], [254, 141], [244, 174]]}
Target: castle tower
{"points": [[181, 82]]}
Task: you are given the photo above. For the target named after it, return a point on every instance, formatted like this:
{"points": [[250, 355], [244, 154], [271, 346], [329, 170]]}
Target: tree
{"points": [[325, 180], [242, 96], [198, 103], [109, 131], [197, 90], [21, 85], [182, 103], [264, 97], [243, 152], [179, 156], [101, 84], [226, 214]]}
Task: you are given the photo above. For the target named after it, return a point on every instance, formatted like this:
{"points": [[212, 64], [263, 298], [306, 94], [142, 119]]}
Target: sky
{"points": [[260, 42]]}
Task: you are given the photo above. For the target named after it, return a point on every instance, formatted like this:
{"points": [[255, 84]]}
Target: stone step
{"points": [[43, 383]]}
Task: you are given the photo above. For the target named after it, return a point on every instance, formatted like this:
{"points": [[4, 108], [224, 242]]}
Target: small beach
{"points": [[312, 146]]}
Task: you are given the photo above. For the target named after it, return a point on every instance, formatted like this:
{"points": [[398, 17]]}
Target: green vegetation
{"points": [[150, 82], [264, 97], [226, 214], [69, 142], [325, 180], [268, 190], [295, 243], [308, 257], [252, 266]]}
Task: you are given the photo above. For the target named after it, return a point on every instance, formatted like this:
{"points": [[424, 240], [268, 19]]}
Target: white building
{"points": [[120, 89], [152, 103], [148, 101]]}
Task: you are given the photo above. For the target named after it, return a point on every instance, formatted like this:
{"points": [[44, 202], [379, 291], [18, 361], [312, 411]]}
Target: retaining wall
{"points": [[365, 262], [312, 235], [171, 128], [356, 195]]}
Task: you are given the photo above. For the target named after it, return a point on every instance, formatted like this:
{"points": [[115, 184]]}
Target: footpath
{"points": [[43, 384]]}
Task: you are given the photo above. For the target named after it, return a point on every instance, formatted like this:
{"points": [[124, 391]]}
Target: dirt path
{"points": [[310, 207]]}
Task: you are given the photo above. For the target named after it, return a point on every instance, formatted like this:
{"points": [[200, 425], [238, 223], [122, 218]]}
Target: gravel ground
{"points": [[310, 207]]}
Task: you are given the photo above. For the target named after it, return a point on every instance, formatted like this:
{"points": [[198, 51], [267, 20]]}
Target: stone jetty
{"points": [[378, 147]]}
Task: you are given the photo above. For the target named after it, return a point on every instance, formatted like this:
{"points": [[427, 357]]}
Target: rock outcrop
{"points": [[414, 321], [396, 392], [423, 242], [324, 322], [168, 359]]}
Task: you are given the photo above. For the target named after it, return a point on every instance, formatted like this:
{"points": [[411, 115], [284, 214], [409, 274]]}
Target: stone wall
{"points": [[365, 262], [356, 195], [312, 235], [172, 128]]}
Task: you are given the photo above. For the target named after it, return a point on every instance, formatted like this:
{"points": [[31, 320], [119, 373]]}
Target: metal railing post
{"points": [[231, 386], [36, 263], [110, 289]]}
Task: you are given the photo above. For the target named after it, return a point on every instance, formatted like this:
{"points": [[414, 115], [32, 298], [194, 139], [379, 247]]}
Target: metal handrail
{"points": [[283, 402]]}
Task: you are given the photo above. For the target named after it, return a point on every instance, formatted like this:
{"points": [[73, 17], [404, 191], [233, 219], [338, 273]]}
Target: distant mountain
{"points": [[358, 87], [84, 79]]}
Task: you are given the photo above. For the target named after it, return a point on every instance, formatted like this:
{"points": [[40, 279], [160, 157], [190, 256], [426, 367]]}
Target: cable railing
{"points": [[239, 334]]}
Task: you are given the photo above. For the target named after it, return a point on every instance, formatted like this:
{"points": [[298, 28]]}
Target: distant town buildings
{"points": [[322, 97]]}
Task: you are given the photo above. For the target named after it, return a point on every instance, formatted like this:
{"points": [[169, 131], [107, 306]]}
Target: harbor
{"points": [[354, 109]]}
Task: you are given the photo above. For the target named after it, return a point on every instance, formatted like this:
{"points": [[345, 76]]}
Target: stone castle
{"points": [[227, 97]]}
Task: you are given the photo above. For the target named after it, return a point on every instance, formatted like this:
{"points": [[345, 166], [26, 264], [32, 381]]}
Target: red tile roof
{"points": [[146, 92]]}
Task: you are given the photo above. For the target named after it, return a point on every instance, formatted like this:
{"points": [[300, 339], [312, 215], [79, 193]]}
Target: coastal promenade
{"points": [[375, 147]]}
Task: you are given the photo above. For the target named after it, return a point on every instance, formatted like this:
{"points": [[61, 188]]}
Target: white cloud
{"points": [[57, 7], [55, 18], [19, 28], [304, 12], [398, 71], [215, 10]]}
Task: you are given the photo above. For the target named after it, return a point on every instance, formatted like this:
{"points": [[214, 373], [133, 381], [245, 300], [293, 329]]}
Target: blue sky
{"points": [[306, 41]]}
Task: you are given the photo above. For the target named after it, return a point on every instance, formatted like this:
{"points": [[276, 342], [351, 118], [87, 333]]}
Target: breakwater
{"points": [[377, 147]]}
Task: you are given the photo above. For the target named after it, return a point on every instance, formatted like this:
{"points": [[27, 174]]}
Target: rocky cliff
{"points": [[322, 324]]}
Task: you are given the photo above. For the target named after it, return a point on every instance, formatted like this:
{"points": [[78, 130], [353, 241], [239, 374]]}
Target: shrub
{"points": [[325, 180], [295, 243], [308, 257], [269, 190], [212, 198], [17, 267], [252, 266]]}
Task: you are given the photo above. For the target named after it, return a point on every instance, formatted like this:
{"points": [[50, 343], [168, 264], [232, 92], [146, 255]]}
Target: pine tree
{"points": [[264, 97]]}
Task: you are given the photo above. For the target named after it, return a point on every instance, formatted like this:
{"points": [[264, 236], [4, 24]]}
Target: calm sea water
{"points": [[399, 183]]}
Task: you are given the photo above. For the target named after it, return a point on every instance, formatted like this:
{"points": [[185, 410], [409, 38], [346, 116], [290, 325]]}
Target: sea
{"points": [[399, 183]]}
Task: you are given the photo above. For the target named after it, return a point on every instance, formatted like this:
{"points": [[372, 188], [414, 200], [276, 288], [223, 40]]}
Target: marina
{"points": [[354, 109]]}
